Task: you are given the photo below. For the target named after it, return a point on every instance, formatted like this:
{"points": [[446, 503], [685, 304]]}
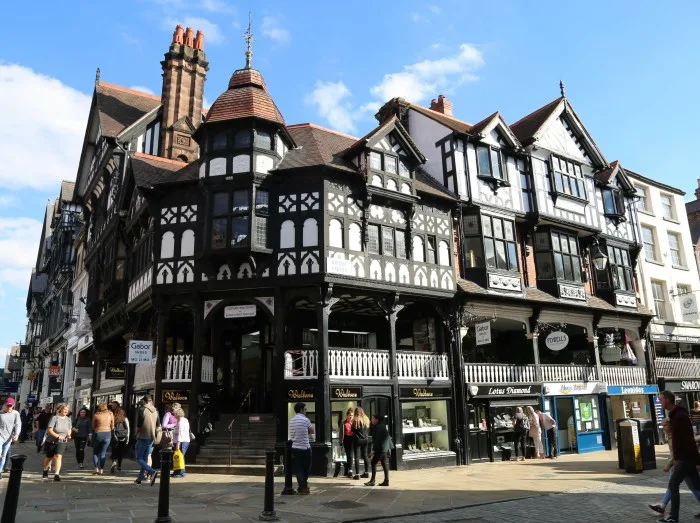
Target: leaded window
{"points": [[620, 268], [567, 178], [558, 256]]}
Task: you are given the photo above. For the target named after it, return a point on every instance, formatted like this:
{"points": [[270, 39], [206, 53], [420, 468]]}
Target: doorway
{"points": [[566, 424], [378, 405]]}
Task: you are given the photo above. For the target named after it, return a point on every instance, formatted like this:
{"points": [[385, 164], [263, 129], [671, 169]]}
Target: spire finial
{"points": [[248, 37], [97, 77], [562, 88]]}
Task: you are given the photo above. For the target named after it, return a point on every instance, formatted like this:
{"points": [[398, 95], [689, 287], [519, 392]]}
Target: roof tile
{"points": [[246, 97], [153, 170], [527, 127], [120, 107]]}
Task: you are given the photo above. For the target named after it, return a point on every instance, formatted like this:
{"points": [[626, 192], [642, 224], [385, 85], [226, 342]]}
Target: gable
{"points": [[392, 137], [559, 137]]}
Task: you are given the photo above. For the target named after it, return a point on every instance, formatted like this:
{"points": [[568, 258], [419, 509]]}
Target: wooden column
{"points": [[392, 308], [536, 354], [197, 351], [323, 404], [278, 383], [461, 438], [160, 354]]}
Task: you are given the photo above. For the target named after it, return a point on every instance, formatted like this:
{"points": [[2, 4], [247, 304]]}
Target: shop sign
{"points": [[240, 311], [675, 338], [424, 392], [570, 389], [690, 385], [689, 307], [346, 393], [557, 340], [140, 351], [483, 333], [25, 351], [632, 389], [115, 372], [10, 387], [180, 396], [301, 394], [14, 363], [31, 398], [515, 389], [54, 371]]}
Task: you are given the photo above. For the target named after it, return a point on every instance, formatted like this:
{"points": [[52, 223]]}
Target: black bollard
{"points": [[288, 485], [268, 513], [9, 509], [166, 458]]}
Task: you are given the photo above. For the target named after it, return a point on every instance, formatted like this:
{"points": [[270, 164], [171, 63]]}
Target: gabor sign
{"points": [[557, 340]]}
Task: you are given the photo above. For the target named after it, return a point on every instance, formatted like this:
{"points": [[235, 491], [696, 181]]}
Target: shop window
{"points": [[587, 413], [425, 428]]}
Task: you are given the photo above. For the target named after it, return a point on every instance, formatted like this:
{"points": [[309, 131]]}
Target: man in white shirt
{"points": [[10, 429], [550, 426], [300, 429]]}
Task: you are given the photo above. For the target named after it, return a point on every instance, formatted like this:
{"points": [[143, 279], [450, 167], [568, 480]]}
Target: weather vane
{"points": [[561, 87], [248, 37]]}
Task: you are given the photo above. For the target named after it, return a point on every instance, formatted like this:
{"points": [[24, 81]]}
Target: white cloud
{"points": [[141, 89], [19, 244], [330, 99], [271, 28], [212, 32], [43, 125], [416, 17], [435, 9]]}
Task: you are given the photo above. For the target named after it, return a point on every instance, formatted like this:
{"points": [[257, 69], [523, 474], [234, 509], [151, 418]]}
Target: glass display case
{"points": [[425, 428], [338, 410]]}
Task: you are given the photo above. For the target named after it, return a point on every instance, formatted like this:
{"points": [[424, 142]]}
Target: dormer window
{"points": [[567, 178], [613, 203], [489, 162]]}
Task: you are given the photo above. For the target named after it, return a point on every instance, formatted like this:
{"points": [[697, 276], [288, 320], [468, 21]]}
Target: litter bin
{"points": [[629, 445], [618, 438], [646, 442]]}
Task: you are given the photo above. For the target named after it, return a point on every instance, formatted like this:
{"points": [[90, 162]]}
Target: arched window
{"points": [[335, 233], [310, 233], [187, 243], [287, 238], [405, 188], [377, 180], [242, 139], [354, 237], [443, 253], [167, 245], [391, 185], [219, 142], [418, 251], [263, 140], [241, 164], [217, 167]]}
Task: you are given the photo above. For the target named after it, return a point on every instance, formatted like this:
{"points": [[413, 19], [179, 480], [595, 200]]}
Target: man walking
{"points": [[300, 429], [381, 450], [42, 422], [148, 432], [685, 453], [25, 417], [551, 427], [10, 429]]}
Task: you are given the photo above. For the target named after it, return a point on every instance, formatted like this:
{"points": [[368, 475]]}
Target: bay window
{"points": [[492, 245], [230, 219], [558, 256]]}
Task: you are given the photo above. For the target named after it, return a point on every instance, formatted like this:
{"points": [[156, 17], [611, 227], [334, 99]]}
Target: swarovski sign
{"points": [[557, 340]]}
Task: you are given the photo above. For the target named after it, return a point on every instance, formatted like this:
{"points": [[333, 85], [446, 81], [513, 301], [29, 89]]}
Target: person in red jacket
{"points": [[685, 452]]}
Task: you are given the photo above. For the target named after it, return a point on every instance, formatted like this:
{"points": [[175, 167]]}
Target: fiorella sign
{"points": [[557, 340]]}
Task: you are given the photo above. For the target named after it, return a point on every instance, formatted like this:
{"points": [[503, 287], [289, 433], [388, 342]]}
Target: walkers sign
{"points": [[140, 351]]}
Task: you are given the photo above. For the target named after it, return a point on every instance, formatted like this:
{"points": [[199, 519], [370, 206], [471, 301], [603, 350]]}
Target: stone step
{"points": [[241, 470]]}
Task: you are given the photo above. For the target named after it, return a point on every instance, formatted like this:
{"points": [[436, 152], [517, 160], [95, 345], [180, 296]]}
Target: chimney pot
{"points": [[199, 40], [178, 34], [189, 37], [441, 105]]}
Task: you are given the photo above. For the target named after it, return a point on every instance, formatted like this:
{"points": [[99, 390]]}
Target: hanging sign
{"points": [[240, 311], [689, 307], [55, 371], [557, 340], [483, 333], [346, 393], [140, 351]]}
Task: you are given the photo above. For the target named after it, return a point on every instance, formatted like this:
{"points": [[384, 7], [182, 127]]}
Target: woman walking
{"points": [[58, 432], [181, 438], [102, 427], [82, 433], [360, 427], [169, 421], [121, 438], [535, 431], [347, 440]]}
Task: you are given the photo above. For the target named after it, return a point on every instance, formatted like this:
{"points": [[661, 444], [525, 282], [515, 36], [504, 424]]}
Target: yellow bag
{"points": [[178, 460]]}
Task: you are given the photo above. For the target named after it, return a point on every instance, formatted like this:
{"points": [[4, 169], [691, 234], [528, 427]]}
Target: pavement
{"points": [[585, 488]]}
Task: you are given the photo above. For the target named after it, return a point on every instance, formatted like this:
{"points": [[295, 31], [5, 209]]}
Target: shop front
{"points": [[490, 414], [687, 391], [426, 423], [578, 411], [630, 401]]}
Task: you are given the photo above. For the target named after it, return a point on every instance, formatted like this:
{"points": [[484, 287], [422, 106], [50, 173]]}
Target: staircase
{"points": [[253, 434]]}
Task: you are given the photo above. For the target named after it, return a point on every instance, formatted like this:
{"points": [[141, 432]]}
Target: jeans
{"points": [[183, 448], [520, 441], [4, 450], [39, 438], [302, 466], [383, 458], [80, 448], [100, 444], [361, 450], [689, 484], [682, 470], [552, 442], [143, 450], [348, 445]]}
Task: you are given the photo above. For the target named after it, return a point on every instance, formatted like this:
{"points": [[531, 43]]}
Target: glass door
{"points": [[380, 405]]}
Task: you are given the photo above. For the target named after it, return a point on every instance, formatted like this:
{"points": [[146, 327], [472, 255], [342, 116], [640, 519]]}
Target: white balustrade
{"points": [[300, 364], [178, 367], [354, 363], [613, 375], [677, 367], [422, 365], [494, 373], [207, 369], [568, 373]]}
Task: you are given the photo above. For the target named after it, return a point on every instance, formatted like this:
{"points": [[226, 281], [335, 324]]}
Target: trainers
{"points": [[113, 468], [659, 509], [667, 519], [370, 484], [45, 474], [56, 478], [154, 477]]}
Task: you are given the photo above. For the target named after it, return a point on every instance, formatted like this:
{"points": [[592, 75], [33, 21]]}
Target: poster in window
{"points": [[586, 411], [424, 335]]}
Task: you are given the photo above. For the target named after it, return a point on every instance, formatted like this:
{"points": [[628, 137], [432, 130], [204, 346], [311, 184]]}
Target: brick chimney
{"points": [[442, 105], [184, 72], [697, 191]]}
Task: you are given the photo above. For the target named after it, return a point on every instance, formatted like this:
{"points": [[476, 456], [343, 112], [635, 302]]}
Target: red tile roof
{"points": [[119, 107], [246, 97], [605, 175], [317, 146], [448, 121], [527, 127]]}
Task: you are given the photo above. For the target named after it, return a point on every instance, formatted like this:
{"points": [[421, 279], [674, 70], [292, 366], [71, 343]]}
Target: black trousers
{"points": [[349, 446], [520, 441], [80, 449], [383, 458], [552, 442], [302, 466], [119, 451], [361, 450]]}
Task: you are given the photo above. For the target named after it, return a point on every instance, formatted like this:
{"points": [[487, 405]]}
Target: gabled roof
{"points": [[150, 171], [612, 173], [448, 121], [120, 107], [424, 183], [488, 124], [379, 132], [527, 127], [317, 146], [246, 97]]}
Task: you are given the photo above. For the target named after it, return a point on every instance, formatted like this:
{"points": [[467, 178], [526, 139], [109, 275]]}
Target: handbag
{"points": [[178, 460]]}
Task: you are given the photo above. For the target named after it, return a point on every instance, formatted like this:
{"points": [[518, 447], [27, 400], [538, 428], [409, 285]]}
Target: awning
{"points": [[674, 334]]}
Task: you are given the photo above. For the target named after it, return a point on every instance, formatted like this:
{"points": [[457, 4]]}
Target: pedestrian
{"points": [[550, 427], [121, 438], [82, 434], [347, 440], [181, 438], [102, 427], [381, 450], [685, 453], [520, 430], [169, 421], [360, 426], [660, 508], [25, 417], [58, 432], [535, 431], [695, 416], [41, 423], [148, 432], [10, 430], [301, 429]]}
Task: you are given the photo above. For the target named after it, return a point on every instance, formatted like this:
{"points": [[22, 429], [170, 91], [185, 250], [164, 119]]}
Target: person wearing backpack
{"points": [[521, 426], [121, 439]]}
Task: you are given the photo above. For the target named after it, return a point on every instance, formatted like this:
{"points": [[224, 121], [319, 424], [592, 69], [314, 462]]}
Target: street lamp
{"points": [[600, 260]]}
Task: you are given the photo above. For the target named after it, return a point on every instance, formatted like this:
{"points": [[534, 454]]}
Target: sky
{"points": [[630, 71]]}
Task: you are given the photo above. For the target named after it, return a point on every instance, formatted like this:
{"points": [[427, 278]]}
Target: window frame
{"points": [[230, 215], [653, 244], [644, 191], [620, 267], [493, 153], [659, 301], [262, 214], [678, 250], [487, 236], [569, 260], [566, 177], [618, 209], [671, 207]]}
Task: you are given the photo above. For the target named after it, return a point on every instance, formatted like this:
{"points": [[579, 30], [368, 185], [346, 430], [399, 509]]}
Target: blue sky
{"points": [[630, 69]]}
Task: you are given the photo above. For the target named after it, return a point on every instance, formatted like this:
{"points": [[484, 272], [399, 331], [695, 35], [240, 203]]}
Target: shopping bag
{"points": [[178, 460]]}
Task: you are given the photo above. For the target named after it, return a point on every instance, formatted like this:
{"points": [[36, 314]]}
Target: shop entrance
{"points": [[566, 431]]}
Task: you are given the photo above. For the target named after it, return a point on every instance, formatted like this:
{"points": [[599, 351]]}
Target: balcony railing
{"points": [[366, 364], [207, 369], [569, 373], [503, 373], [677, 367], [179, 368], [624, 375]]}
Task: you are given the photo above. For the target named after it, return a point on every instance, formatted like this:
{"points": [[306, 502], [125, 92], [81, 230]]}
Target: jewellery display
{"points": [[425, 429]]}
